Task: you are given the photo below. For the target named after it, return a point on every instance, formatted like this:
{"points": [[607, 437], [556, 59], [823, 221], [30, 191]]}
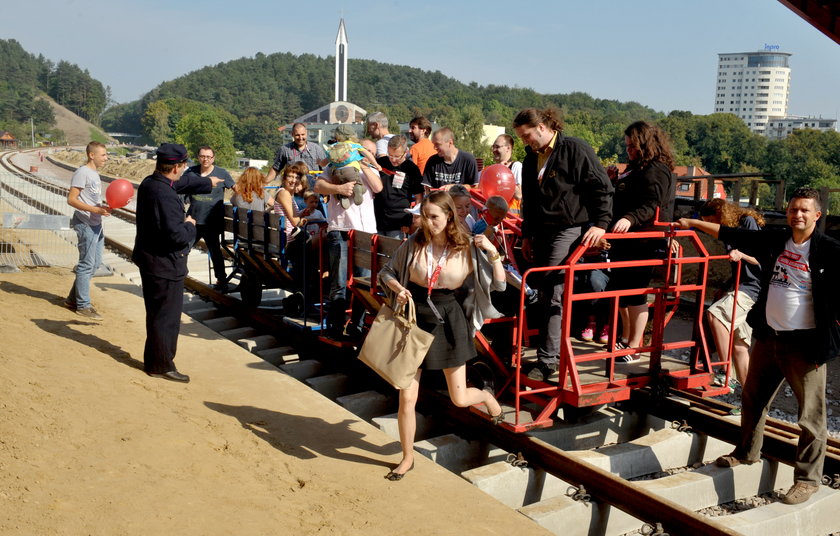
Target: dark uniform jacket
{"points": [[575, 189], [163, 237], [766, 246]]}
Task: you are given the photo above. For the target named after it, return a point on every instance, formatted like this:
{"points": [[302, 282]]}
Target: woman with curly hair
{"points": [[720, 312], [249, 192], [429, 267], [647, 184]]}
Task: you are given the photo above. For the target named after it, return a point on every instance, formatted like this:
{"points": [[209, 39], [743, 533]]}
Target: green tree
{"points": [[204, 127], [156, 122]]}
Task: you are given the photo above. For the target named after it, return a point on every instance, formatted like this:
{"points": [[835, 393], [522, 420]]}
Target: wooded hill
{"points": [[24, 76], [239, 104], [266, 91]]}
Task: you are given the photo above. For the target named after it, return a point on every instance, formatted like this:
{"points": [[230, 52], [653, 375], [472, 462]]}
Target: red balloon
{"points": [[119, 193], [497, 179]]}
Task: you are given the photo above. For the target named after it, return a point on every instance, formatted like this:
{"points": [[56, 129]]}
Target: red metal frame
{"points": [[570, 390]]}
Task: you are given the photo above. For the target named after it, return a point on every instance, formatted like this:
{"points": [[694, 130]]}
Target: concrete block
{"points": [[654, 452], [388, 424], [330, 385], [695, 490], [222, 323], [366, 405], [202, 314], [243, 332], [457, 454], [258, 342], [607, 425], [302, 370], [515, 486], [817, 516], [280, 355]]}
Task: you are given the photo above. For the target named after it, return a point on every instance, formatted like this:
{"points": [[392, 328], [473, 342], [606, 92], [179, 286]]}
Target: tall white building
{"points": [[754, 86]]}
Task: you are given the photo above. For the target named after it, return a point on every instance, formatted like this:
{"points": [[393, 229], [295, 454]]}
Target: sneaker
{"points": [[588, 333], [89, 313], [70, 304], [800, 492], [539, 371], [620, 345], [629, 358], [221, 286], [604, 337]]}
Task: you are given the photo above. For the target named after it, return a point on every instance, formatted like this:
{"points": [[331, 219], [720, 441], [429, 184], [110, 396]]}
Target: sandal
{"points": [[497, 419]]}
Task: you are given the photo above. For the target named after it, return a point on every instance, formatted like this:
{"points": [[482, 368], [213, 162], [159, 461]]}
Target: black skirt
{"points": [[452, 346]]}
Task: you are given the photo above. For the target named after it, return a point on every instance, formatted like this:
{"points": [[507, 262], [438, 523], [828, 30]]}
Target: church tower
{"points": [[341, 63]]}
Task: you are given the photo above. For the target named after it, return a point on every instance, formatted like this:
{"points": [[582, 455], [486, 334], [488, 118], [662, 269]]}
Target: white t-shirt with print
{"points": [[790, 301]]}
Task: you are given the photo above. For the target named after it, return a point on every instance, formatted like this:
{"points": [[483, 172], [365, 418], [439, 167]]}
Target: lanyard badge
{"points": [[433, 273]]}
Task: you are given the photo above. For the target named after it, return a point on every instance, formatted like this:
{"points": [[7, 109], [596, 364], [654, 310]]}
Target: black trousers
{"points": [[212, 235], [164, 299]]}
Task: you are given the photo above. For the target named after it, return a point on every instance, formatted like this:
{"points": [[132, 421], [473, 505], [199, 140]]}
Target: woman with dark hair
{"points": [[293, 176], [428, 268], [249, 193], [646, 185], [720, 313]]}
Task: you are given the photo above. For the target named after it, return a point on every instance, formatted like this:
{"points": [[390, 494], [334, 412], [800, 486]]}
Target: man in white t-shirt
{"points": [[340, 221], [86, 197], [502, 154], [796, 324]]}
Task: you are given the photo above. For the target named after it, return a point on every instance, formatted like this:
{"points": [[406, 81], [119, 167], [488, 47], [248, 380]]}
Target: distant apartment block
{"points": [[780, 127], [755, 86]]}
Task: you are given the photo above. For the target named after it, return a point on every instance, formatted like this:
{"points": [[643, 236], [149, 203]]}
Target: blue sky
{"points": [[661, 53]]}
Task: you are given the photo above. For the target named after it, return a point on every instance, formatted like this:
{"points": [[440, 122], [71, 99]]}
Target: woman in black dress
{"points": [[647, 184], [428, 268]]}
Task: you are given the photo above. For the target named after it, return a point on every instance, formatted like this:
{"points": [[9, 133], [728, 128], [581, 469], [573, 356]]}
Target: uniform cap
{"points": [[172, 152]]}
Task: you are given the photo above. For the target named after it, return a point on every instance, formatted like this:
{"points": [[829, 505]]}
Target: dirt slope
{"points": [[76, 129]]}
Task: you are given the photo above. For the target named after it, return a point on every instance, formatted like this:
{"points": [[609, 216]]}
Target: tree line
{"points": [[252, 97], [24, 77]]}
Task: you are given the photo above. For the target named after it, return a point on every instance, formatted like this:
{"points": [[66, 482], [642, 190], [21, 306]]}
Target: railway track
{"points": [[641, 468]]}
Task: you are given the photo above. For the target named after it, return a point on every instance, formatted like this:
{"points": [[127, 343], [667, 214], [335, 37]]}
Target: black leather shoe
{"points": [[172, 375], [539, 371]]}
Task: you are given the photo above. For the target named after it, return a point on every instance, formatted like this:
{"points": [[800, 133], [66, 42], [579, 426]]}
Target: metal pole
{"points": [[32, 129]]}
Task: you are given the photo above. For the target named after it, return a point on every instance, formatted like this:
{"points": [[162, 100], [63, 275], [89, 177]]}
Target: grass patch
{"points": [[96, 135]]}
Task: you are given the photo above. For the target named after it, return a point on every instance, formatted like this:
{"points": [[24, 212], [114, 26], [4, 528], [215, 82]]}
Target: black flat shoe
{"points": [[394, 477], [172, 375], [497, 419]]}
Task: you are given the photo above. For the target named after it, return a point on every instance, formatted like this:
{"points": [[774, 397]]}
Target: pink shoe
{"points": [[588, 333], [604, 337]]}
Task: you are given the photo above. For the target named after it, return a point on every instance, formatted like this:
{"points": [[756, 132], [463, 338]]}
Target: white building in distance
{"points": [[755, 86]]}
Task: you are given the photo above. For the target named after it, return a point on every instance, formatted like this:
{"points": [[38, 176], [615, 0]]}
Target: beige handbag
{"points": [[395, 346]]}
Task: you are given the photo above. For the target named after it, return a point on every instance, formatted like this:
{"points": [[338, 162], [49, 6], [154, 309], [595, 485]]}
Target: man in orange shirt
{"points": [[419, 130]]}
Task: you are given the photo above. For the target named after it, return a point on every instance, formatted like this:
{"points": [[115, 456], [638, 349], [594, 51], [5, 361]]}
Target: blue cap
{"points": [[172, 152]]}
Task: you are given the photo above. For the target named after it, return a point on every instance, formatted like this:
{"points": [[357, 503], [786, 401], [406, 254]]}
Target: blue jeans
{"points": [[91, 245], [337, 250]]}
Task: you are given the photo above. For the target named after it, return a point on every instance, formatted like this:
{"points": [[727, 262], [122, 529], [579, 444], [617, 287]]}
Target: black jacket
{"points": [[575, 189], [766, 246], [163, 237], [638, 195]]}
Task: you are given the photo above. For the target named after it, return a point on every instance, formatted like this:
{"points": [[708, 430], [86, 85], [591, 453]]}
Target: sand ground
{"points": [[91, 445]]}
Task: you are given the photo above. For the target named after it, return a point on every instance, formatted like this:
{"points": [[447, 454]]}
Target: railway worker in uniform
{"points": [[419, 130], [164, 237], [86, 196], [440, 259], [449, 165], [564, 189], [299, 149], [209, 212], [796, 325], [340, 221]]}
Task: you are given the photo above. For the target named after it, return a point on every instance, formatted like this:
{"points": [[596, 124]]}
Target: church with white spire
{"points": [[340, 111]]}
